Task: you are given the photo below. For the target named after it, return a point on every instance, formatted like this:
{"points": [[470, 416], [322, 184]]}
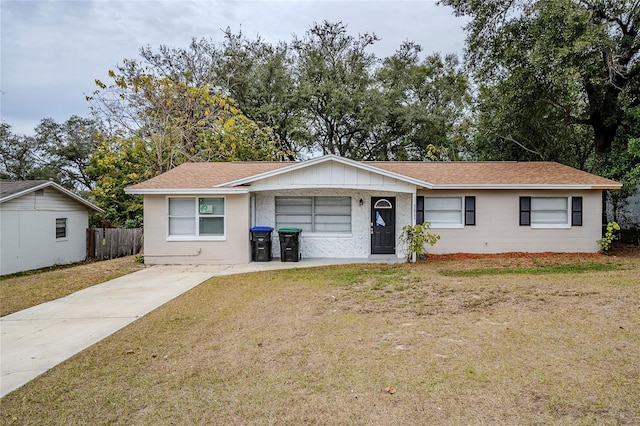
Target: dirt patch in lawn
{"points": [[361, 345], [21, 291]]}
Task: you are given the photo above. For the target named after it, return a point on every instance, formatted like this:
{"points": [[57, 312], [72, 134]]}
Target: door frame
{"points": [[374, 200]]}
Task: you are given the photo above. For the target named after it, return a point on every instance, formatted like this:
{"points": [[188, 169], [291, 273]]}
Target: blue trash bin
{"points": [[261, 244]]}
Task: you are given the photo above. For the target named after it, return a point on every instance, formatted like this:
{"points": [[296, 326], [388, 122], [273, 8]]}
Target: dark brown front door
{"points": [[383, 225]]}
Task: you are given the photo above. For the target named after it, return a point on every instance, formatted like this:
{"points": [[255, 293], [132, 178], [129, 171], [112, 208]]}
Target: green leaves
{"points": [[581, 58]]}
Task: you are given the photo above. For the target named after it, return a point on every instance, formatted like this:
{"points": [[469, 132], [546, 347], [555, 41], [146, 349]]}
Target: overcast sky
{"points": [[52, 51]]}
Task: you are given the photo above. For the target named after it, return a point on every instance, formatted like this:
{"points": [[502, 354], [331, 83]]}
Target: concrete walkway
{"points": [[37, 339]]}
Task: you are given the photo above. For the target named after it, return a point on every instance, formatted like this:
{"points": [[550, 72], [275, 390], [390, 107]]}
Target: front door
{"points": [[383, 225]]}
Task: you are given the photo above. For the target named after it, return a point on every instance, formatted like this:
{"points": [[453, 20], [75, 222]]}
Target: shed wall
{"points": [[28, 232]]}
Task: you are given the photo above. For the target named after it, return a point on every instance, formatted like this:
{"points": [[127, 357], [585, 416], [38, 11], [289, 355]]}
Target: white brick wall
{"points": [[357, 244]]}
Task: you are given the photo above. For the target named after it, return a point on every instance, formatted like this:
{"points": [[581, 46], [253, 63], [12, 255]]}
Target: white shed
{"points": [[41, 224]]}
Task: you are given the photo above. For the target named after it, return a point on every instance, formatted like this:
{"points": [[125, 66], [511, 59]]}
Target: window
{"points": [[314, 214], [470, 211], [197, 217], [550, 212], [446, 212], [61, 228]]}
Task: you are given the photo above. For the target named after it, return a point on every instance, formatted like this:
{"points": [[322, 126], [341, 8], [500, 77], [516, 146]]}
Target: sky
{"points": [[51, 52]]}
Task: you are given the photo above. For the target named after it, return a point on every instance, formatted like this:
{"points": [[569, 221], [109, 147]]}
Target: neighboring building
{"points": [[41, 224], [202, 212], [627, 215]]}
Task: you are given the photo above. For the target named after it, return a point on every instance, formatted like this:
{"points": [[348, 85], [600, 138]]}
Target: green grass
{"points": [[533, 270], [26, 289], [322, 345]]}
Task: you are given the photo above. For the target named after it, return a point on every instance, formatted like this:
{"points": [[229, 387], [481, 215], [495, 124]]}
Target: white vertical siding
{"points": [[331, 175], [28, 232]]}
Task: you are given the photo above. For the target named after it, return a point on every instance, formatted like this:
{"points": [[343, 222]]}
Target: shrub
{"points": [[416, 237], [609, 236]]}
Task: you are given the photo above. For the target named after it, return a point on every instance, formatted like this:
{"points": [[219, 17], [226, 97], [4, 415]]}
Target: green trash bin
{"points": [[289, 244]]}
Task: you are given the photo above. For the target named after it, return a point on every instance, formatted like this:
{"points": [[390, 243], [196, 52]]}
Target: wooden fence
{"points": [[109, 243]]}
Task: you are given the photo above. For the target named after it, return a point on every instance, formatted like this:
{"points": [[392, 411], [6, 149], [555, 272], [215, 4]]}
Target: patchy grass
{"points": [[535, 270], [26, 289], [364, 344]]}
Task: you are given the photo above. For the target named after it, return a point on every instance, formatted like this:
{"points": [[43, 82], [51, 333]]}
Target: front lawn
{"points": [[367, 345], [27, 289]]}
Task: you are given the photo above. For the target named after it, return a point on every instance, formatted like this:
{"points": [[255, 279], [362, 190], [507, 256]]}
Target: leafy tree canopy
{"points": [[57, 151], [324, 91], [576, 59]]}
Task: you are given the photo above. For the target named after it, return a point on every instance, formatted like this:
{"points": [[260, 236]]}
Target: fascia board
{"points": [[275, 188], [524, 186], [186, 191]]}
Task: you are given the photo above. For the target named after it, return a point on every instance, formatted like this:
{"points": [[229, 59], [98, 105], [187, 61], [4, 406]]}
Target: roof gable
{"points": [[358, 165], [10, 189]]}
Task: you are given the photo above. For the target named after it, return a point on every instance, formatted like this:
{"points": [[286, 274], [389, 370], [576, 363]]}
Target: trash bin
{"points": [[289, 244], [261, 244]]}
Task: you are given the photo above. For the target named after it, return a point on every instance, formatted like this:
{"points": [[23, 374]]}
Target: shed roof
{"points": [[10, 189], [13, 187]]}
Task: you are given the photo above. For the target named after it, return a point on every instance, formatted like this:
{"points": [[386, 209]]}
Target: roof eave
{"points": [[186, 191]]}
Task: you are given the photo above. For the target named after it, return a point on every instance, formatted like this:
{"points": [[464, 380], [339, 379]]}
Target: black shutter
{"points": [[576, 211], [469, 210], [525, 211], [419, 209]]}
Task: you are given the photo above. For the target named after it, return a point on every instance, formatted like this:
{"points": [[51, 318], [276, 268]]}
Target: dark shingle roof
{"points": [[11, 187]]}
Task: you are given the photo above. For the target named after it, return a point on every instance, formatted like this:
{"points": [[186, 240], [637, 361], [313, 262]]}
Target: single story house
{"points": [[203, 212], [41, 224]]}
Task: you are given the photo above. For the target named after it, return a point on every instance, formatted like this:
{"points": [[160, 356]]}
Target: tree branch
{"points": [[570, 117], [510, 139]]}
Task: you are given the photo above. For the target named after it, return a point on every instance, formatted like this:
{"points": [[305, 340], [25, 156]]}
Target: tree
{"points": [[337, 88], [17, 155], [260, 77], [323, 92], [425, 104], [257, 75], [158, 124], [57, 151], [117, 163], [578, 56], [67, 148]]}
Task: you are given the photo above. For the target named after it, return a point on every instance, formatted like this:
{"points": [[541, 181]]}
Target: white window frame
{"points": [[545, 225], [313, 214], [197, 216], [66, 228], [443, 225]]}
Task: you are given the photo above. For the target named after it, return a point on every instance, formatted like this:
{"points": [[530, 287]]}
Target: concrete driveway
{"points": [[37, 339]]}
